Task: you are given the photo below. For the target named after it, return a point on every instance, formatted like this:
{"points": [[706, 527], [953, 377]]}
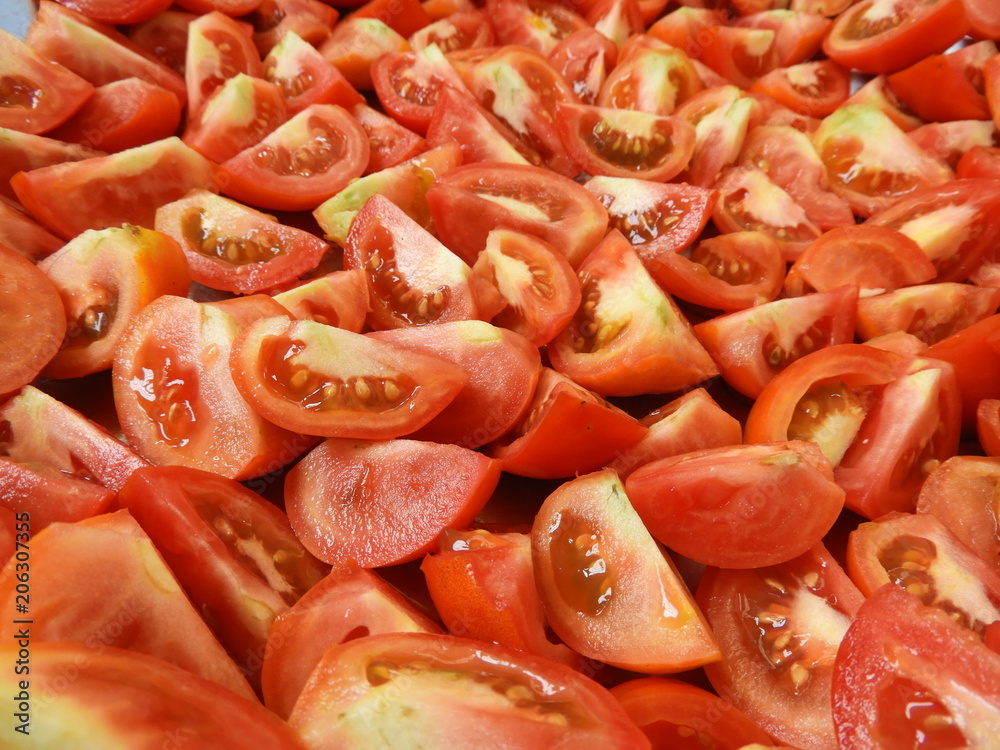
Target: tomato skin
{"points": [[675, 714], [116, 12], [735, 507], [899, 650], [410, 491], [569, 430], [908, 32], [956, 73], [976, 362], [979, 162], [22, 234], [44, 94], [813, 601], [349, 602], [389, 143], [22, 152], [108, 191], [232, 551], [33, 320], [339, 299], [988, 426], [48, 496], [636, 613], [503, 369], [305, 161], [584, 59], [960, 493]]}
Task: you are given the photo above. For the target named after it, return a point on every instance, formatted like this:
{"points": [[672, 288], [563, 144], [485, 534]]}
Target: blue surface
{"points": [[15, 15]]}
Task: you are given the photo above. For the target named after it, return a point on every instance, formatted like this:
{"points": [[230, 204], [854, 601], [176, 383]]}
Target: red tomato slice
{"points": [[930, 312], [984, 20], [305, 77], [404, 287], [96, 51], [779, 629], [337, 299], [463, 29], [788, 157], [38, 94], [541, 289], [458, 118], [454, 692], [232, 551], [739, 507], [235, 248], [319, 380], [141, 608], [658, 219], [349, 603], [121, 115], [483, 587], [32, 318], [104, 278], [675, 714], [22, 234], [920, 554], [176, 398], [389, 143], [798, 33], [907, 675], [650, 79], [406, 17], [689, 423], [681, 27], [164, 36], [750, 201], [537, 24], [408, 85], [470, 201], [721, 116], [584, 59], [816, 88], [878, 258], [870, 161], [881, 418], [739, 54], [728, 272], [568, 430], [752, 346], [48, 496], [384, 503], [355, 43], [876, 93], [960, 492], [988, 426], [956, 224], [42, 430], [108, 191], [879, 37], [305, 161], [237, 115], [503, 370], [112, 689], [218, 48], [959, 73], [119, 12], [628, 337], [948, 141], [23, 152], [608, 589], [311, 20], [233, 8], [622, 143]]}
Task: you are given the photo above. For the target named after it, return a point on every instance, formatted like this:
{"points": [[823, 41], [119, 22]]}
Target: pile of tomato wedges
{"points": [[506, 374]]}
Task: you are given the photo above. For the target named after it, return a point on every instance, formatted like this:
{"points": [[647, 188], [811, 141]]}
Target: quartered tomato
{"points": [[386, 502], [779, 629], [319, 380], [608, 589], [539, 25], [306, 160], [880, 36], [408, 84], [931, 312], [458, 118], [907, 675], [451, 693], [218, 49], [960, 73], [37, 94], [47, 496], [305, 77], [816, 89], [650, 79], [33, 319]]}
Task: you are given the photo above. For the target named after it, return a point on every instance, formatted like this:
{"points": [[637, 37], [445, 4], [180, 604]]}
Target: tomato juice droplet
{"points": [[584, 576], [18, 91]]}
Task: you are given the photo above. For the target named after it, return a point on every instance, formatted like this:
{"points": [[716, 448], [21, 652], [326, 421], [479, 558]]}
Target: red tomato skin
{"points": [[108, 191], [450, 483], [48, 496], [22, 152], [43, 94], [976, 363], [33, 320], [750, 493], [988, 425]]}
